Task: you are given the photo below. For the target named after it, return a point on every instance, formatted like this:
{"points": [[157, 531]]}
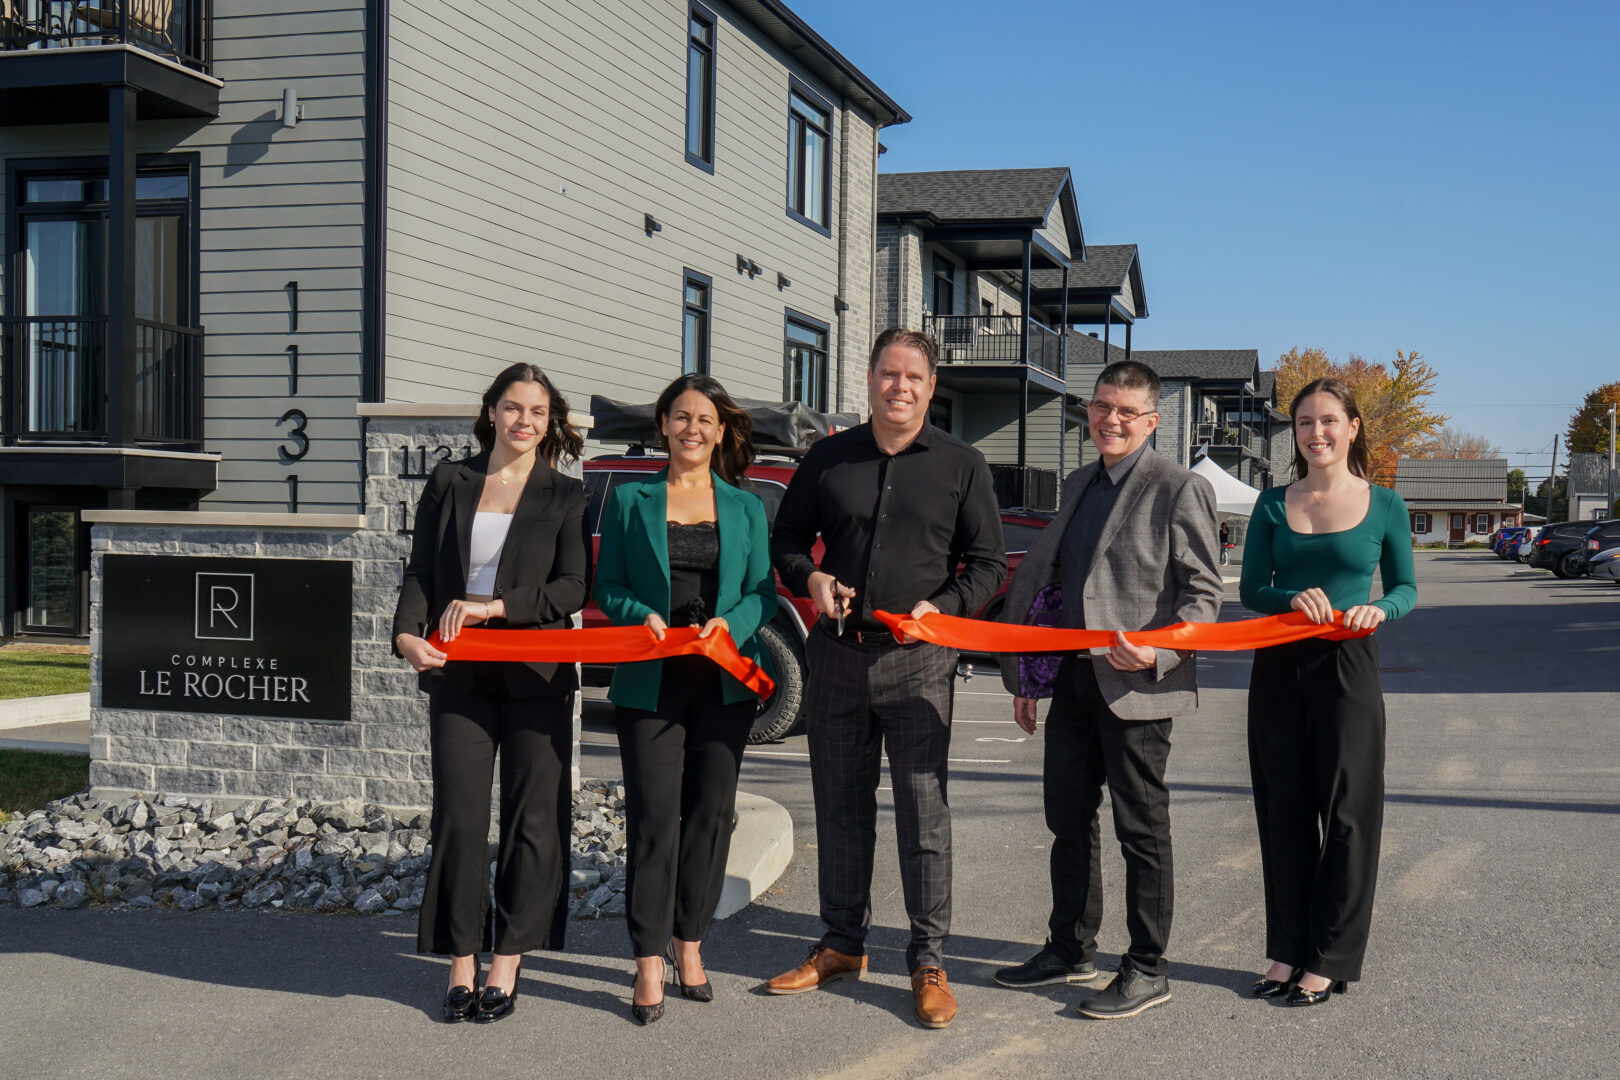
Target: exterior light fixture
{"points": [[291, 111]]}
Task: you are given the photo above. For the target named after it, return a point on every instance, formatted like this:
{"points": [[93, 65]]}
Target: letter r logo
{"points": [[224, 607]]}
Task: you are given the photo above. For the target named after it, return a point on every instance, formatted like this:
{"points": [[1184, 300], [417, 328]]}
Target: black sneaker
{"points": [[1129, 993], [1046, 968]]}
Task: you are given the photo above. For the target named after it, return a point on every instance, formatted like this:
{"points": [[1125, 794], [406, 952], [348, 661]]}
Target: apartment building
{"points": [[228, 222]]}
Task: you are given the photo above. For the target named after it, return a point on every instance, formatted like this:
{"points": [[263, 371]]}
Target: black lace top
{"points": [[694, 575]]}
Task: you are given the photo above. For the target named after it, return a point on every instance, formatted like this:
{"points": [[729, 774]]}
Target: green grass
{"points": [[32, 674], [31, 778]]}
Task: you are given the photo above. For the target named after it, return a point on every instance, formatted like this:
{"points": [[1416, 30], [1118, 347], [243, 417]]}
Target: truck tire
{"points": [[781, 713]]}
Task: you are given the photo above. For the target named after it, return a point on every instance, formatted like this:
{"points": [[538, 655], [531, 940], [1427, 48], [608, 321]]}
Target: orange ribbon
{"points": [[605, 645], [993, 637]]}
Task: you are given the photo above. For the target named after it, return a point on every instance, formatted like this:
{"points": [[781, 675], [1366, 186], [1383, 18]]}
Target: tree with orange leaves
{"points": [[1395, 418], [1589, 427]]}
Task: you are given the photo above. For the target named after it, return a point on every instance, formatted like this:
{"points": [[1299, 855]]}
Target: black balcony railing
{"points": [[1243, 436], [995, 339], [181, 30], [56, 380], [1025, 486]]}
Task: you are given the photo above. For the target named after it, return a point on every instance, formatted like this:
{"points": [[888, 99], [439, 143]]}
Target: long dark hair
{"points": [[562, 441], [1360, 461], [736, 450]]}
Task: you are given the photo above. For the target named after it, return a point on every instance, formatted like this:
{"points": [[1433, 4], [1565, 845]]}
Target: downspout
{"points": [[839, 306]]}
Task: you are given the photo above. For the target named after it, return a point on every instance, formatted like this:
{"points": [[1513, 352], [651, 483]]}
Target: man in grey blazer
{"points": [[1133, 548]]}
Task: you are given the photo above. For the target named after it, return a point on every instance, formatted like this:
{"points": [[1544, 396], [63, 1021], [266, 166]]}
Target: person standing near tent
{"points": [[1226, 543], [1316, 710]]}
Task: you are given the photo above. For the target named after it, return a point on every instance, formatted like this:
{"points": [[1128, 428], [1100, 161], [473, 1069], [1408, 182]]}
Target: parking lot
{"points": [[1493, 949]]}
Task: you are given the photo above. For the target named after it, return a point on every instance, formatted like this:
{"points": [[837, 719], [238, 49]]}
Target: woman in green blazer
{"points": [[685, 547]]}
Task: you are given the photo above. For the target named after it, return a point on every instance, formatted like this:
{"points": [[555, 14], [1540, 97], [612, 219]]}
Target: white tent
{"points": [[1232, 496]]}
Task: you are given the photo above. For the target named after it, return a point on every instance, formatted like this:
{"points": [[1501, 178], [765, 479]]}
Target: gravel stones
{"points": [[186, 854]]}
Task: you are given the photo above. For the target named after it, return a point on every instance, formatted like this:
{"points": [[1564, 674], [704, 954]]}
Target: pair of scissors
{"points": [[838, 606]]}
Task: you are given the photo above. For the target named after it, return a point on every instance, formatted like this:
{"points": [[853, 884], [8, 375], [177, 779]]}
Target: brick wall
{"points": [[380, 753]]}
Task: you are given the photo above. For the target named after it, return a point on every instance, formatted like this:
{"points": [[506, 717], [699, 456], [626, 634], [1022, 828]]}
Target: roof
{"points": [[1107, 266], [778, 22], [972, 194], [1481, 480], [1237, 365], [1589, 474], [1266, 385], [1085, 349], [1437, 506]]}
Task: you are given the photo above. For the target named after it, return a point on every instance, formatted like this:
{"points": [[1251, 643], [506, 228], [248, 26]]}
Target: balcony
{"points": [[1244, 437], [56, 383], [997, 340], [163, 49], [1025, 486]]}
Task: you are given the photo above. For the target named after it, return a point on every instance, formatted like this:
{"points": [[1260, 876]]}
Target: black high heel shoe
{"points": [[647, 1014], [460, 1003], [1270, 988], [1301, 996], [495, 1004], [703, 991]]}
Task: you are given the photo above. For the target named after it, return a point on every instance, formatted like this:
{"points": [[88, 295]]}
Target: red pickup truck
{"points": [[783, 637]]}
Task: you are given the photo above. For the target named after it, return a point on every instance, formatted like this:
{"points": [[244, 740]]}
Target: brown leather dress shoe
{"points": [[821, 967], [936, 1005]]}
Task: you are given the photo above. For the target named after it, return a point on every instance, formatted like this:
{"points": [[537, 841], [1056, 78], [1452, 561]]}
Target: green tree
{"points": [[1588, 430], [1558, 488], [1516, 486]]}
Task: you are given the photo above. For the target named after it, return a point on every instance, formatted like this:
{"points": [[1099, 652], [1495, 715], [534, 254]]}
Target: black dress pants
{"points": [[863, 700], [534, 738], [1316, 754], [680, 790], [1086, 745]]}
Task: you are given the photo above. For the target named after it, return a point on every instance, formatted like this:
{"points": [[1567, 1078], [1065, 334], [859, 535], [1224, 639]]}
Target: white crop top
{"points": [[488, 537]]}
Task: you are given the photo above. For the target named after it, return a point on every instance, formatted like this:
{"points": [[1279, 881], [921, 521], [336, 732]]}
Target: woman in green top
{"points": [[1316, 710]]}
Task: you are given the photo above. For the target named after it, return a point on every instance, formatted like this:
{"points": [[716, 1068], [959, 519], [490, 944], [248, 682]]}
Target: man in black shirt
{"points": [[900, 507]]}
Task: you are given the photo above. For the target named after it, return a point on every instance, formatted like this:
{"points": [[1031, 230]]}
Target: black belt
{"points": [[856, 637]]}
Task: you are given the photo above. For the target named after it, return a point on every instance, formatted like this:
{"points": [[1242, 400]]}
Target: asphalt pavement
{"points": [[1493, 953]]}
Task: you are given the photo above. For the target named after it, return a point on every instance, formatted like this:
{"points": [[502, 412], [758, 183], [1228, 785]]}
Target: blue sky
{"points": [[1364, 178]]}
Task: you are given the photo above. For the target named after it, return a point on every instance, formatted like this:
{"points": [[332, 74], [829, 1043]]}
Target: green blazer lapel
{"points": [[653, 510], [731, 524]]}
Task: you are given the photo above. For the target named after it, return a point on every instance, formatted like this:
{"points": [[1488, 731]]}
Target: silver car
{"points": [[1605, 565]]}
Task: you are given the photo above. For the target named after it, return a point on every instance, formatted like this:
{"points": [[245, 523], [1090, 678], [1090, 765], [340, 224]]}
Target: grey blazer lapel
{"points": [[1141, 477]]}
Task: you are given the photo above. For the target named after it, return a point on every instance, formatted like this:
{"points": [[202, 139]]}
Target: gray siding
{"points": [[277, 205], [991, 425], [1056, 231], [527, 141]]}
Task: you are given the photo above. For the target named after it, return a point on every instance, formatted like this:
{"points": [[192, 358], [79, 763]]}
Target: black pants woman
{"points": [[499, 541], [685, 547]]}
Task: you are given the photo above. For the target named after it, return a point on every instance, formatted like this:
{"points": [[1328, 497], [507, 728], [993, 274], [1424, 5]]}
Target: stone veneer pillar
{"points": [[380, 754]]}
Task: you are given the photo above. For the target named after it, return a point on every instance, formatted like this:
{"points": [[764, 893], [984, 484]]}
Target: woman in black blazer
{"points": [[499, 541]]}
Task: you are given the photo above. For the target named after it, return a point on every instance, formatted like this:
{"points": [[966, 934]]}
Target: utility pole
{"points": [[1608, 510], [1552, 483]]}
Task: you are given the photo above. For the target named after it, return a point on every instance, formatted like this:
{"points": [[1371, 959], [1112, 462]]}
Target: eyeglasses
{"points": [[1125, 413]]}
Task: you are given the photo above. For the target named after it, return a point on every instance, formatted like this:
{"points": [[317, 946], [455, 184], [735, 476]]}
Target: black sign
{"points": [[245, 637]]}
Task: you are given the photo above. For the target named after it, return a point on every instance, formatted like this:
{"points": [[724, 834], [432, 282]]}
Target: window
{"points": [[1420, 523], [940, 412], [987, 308], [51, 570], [700, 28], [1482, 523], [944, 287], [805, 367], [809, 157], [59, 246], [695, 324]]}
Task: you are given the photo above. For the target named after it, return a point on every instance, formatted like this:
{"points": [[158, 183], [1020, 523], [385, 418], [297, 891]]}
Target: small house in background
{"points": [[1589, 487], [1455, 500]]}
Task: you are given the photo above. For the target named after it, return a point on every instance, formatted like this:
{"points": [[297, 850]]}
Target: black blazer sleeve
{"points": [[568, 583], [416, 590]]}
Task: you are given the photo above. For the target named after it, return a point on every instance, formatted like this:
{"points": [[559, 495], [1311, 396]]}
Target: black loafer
{"points": [[1270, 988], [1301, 996], [460, 1003], [1046, 968], [494, 1004]]}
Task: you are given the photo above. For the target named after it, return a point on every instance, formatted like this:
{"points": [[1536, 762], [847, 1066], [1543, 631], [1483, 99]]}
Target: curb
{"points": [[761, 848], [36, 711]]}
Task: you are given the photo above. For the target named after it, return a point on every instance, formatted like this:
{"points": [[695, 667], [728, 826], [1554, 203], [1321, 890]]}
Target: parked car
{"points": [[1554, 544], [1600, 537], [1505, 541], [1605, 565], [784, 636], [1525, 544]]}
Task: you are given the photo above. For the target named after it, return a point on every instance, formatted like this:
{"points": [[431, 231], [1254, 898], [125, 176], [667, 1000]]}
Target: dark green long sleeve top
{"points": [[1279, 563]]}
